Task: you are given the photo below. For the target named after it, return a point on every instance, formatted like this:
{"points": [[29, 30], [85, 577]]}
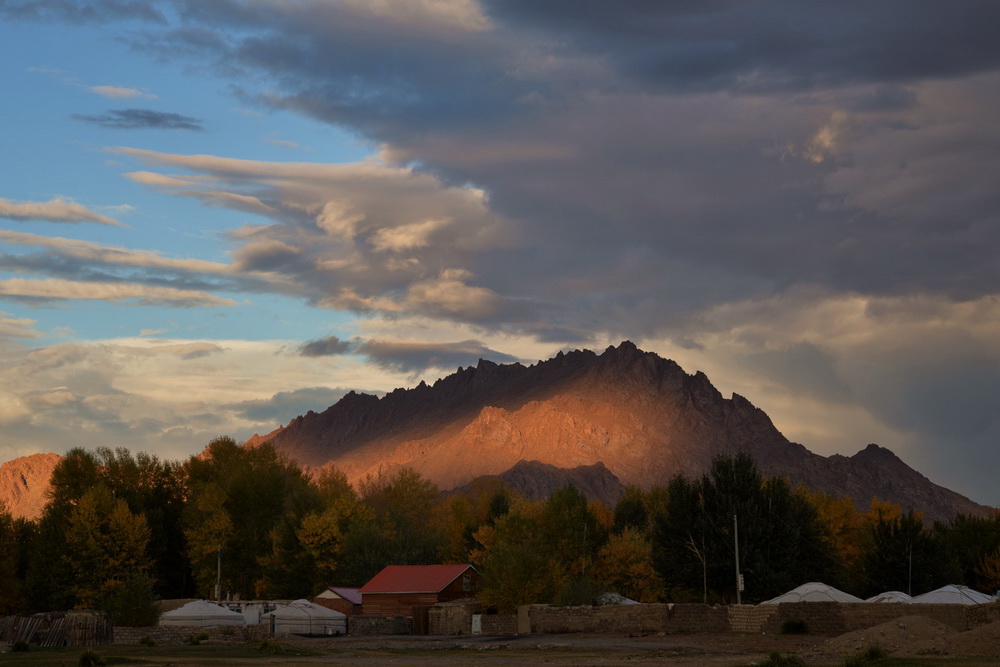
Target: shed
{"points": [[345, 600], [201, 614], [952, 594], [814, 591], [302, 617], [397, 589]]}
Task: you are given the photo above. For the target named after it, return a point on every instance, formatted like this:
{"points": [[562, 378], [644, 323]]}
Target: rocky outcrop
{"points": [[537, 481], [639, 415], [24, 483]]}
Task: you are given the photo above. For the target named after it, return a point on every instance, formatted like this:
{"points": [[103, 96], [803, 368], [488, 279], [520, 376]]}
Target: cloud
{"points": [[80, 11], [143, 294], [415, 357], [17, 327], [120, 93], [54, 210], [285, 406], [144, 119], [325, 347]]}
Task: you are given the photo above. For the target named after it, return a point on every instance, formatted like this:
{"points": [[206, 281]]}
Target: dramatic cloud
{"points": [[54, 210], [142, 119], [799, 199]]}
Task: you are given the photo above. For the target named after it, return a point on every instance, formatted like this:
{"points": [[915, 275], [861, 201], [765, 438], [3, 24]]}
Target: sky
{"points": [[216, 216]]}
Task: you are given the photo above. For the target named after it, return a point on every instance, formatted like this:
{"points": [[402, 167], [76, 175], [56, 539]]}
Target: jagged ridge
{"points": [[640, 415]]}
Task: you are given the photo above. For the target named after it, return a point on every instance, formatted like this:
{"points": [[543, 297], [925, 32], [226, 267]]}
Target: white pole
{"points": [[736, 541]]}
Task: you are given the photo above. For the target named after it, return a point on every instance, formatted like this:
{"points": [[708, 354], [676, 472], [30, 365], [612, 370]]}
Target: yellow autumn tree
{"points": [[625, 566]]}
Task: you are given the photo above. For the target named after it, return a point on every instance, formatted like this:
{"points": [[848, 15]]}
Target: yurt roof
{"points": [[303, 609], [814, 591], [202, 610], [890, 596], [953, 594]]}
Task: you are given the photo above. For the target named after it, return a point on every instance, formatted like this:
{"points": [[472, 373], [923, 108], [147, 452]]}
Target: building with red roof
{"points": [[345, 600], [397, 589]]}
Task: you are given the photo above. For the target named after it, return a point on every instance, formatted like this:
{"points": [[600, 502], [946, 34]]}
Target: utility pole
{"points": [[218, 574], [739, 577]]}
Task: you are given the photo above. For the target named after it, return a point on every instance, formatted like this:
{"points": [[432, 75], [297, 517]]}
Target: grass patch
{"points": [[776, 659]]}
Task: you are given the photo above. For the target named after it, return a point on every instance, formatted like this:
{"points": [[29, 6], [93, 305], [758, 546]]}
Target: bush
{"points": [[134, 603], [90, 658], [147, 641], [775, 659], [272, 647], [196, 639], [793, 628], [20, 646]]}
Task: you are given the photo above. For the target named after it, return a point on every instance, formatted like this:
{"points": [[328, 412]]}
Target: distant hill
{"points": [[639, 415], [24, 482]]}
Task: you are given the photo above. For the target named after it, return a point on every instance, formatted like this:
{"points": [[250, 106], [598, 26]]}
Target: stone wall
{"points": [[625, 619], [367, 626], [172, 635], [819, 618], [496, 625], [451, 618]]}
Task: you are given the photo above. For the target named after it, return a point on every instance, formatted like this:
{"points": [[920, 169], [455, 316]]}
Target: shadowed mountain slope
{"points": [[640, 415]]}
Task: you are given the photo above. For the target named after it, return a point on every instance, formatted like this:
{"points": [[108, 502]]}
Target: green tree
{"points": [[781, 542], [515, 564], [237, 498], [901, 555], [105, 542], [10, 579]]}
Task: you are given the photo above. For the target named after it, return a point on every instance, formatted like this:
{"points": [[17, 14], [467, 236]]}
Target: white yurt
{"points": [[952, 594], [890, 596], [302, 617], [201, 614], [814, 591]]}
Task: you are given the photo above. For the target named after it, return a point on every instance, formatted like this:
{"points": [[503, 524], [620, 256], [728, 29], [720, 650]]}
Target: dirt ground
{"points": [[916, 637]]}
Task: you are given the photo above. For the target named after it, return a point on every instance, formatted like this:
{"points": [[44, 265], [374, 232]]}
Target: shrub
{"points": [[867, 655], [147, 641], [133, 603], [90, 658], [20, 646], [272, 647]]}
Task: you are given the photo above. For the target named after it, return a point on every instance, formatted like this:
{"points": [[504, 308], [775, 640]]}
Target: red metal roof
{"points": [[414, 578], [350, 594]]}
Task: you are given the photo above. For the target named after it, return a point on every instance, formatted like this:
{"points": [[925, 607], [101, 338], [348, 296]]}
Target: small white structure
{"points": [[952, 594], [302, 617], [814, 591], [201, 614], [890, 596]]}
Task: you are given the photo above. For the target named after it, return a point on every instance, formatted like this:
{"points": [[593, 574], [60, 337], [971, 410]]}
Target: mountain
{"points": [[639, 415], [24, 482]]}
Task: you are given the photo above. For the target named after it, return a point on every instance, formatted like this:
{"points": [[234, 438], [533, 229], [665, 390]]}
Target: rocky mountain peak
{"points": [[641, 416]]}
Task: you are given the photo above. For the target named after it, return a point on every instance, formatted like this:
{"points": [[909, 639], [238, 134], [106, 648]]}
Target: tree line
{"points": [[121, 530]]}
